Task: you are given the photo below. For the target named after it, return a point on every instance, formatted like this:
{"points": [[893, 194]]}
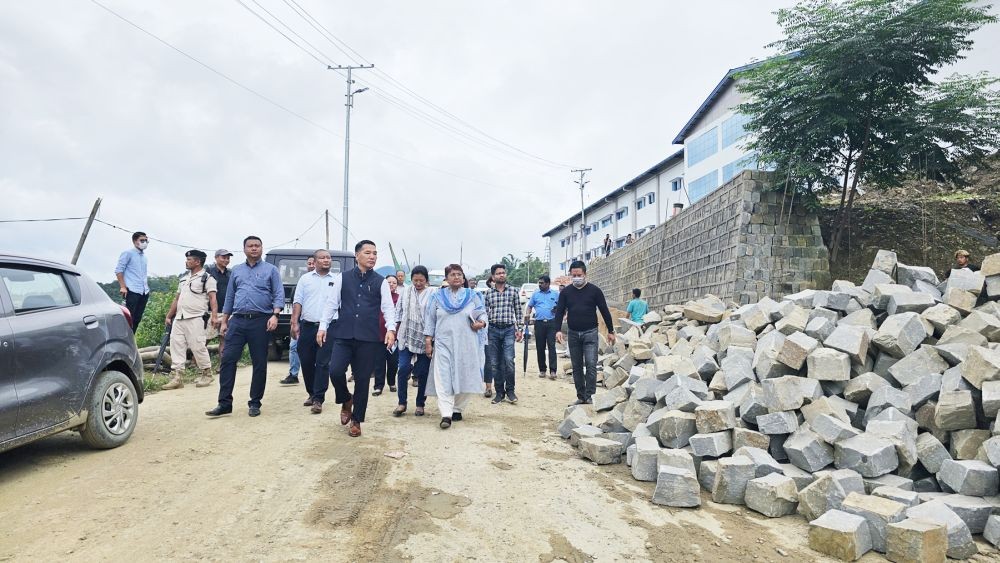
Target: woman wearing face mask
{"points": [[454, 329], [581, 301], [410, 310]]}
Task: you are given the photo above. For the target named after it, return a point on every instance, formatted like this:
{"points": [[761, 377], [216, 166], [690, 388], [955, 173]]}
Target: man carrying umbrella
{"points": [[543, 302]]}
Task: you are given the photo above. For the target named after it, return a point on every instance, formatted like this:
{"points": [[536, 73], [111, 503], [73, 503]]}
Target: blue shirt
{"points": [[311, 293], [637, 308], [254, 289], [132, 264], [544, 303]]}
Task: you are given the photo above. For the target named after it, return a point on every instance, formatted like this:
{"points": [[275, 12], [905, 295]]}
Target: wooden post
{"points": [[86, 231]]}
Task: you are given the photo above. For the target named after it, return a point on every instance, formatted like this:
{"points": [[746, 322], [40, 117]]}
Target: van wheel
{"points": [[112, 411], [273, 351]]}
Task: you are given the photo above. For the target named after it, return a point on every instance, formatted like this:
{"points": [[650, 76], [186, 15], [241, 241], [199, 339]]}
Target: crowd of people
{"points": [[453, 342]]}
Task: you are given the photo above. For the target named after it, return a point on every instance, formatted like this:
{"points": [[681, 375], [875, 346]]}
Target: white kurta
{"points": [[458, 359]]}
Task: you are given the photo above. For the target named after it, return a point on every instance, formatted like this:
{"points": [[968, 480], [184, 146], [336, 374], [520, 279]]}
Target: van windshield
{"points": [[293, 268]]}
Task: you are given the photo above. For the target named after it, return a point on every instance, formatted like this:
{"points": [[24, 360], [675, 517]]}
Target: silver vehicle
{"points": [[68, 359]]}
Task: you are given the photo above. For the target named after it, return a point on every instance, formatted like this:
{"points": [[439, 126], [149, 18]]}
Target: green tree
{"points": [[851, 101]]}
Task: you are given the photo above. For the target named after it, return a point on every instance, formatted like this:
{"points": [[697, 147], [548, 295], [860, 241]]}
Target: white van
{"points": [[436, 278]]}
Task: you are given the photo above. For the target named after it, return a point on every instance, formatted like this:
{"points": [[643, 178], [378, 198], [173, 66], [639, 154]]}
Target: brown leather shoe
{"points": [[308, 403], [399, 410], [345, 413], [355, 430], [317, 407]]}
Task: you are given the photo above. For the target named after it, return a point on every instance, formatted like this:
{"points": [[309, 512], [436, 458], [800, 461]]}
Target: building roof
{"points": [[706, 106], [651, 173]]}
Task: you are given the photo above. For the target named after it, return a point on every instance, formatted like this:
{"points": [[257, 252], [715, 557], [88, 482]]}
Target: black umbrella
{"points": [[527, 334]]}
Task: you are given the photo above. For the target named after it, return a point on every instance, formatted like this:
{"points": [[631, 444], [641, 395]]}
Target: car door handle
{"points": [[90, 321]]}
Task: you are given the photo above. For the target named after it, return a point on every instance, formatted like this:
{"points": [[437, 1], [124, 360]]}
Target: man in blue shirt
{"points": [[254, 299], [637, 308], [133, 282], [544, 302]]}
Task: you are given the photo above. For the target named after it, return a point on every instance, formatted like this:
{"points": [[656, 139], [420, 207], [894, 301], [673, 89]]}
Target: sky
{"points": [[461, 148]]}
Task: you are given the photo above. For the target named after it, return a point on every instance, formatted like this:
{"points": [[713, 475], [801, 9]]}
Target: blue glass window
{"points": [[703, 147], [640, 203], [621, 213], [605, 221], [745, 162], [732, 129], [702, 186], [651, 197], [675, 184]]}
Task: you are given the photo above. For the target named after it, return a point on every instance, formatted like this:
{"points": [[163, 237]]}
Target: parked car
{"points": [[68, 359], [481, 287], [435, 278], [291, 264]]}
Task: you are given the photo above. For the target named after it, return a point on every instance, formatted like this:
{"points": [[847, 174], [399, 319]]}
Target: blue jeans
{"points": [[583, 355], [293, 359], [250, 332], [500, 359], [420, 369]]}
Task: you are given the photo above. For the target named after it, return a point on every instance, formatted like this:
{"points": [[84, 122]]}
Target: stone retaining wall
{"points": [[734, 243]]}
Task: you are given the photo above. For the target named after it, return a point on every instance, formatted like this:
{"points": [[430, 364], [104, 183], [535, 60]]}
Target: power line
{"points": [[388, 98], [334, 40], [293, 112], [179, 245], [42, 220]]}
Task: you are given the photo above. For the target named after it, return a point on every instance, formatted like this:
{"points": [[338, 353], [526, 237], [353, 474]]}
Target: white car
{"points": [[481, 287], [527, 290]]}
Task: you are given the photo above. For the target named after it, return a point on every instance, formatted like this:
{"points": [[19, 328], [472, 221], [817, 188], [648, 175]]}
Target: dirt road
{"points": [[499, 486]]}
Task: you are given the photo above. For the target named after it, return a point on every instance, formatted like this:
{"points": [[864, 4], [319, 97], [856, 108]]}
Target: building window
{"points": [[586, 256], [562, 243], [620, 243], [605, 221], [621, 213], [703, 147], [586, 230], [745, 162], [732, 129], [651, 197], [595, 226], [576, 235], [677, 208], [640, 203], [562, 266], [676, 184], [702, 186]]}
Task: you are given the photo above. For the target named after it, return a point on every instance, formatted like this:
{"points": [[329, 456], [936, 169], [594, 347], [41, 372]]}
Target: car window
{"points": [[33, 290], [291, 269]]}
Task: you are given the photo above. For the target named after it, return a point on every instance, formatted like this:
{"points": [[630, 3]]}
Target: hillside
{"points": [[923, 222]]}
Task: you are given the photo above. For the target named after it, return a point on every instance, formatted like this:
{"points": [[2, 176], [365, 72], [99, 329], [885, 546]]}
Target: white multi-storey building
{"points": [[713, 153]]}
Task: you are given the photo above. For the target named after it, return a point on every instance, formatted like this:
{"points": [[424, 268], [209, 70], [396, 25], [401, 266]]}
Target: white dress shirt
{"points": [[311, 293]]}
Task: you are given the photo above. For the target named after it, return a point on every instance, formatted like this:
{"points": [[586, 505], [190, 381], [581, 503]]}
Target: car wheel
{"points": [[273, 351], [113, 411]]}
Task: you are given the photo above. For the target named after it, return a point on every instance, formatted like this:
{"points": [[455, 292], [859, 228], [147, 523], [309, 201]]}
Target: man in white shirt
{"points": [[311, 294]]}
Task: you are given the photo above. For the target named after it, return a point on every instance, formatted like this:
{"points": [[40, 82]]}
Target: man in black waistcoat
{"points": [[351, 316]]}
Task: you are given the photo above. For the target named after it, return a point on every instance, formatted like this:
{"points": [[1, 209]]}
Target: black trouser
{"points": [[361, 356], [136, 305], [252, 332], [583, 355], [315, 360], [545, 338], [386, 368]]}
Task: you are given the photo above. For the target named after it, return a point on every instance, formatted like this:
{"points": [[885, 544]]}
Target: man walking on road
{"points": [[543, 302], [503, 307], [354, 303], [133, 281], [221, 273], [253, 302], [581, 301], [294, 361], [311, 294], [195, 299]]}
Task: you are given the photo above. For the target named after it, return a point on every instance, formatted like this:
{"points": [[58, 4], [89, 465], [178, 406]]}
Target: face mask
{"points": [[578, 282], [143, 245]]}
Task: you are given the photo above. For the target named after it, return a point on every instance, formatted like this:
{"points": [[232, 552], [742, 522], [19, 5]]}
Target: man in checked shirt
{"points": [[503, 308]]}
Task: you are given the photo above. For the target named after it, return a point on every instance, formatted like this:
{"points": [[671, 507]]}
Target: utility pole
{"points": [[347, 136], [583, 213], [326, 215], [86, 231]]}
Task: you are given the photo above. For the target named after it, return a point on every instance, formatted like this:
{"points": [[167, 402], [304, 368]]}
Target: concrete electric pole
{"points": [[583, 212], [347, 137]]}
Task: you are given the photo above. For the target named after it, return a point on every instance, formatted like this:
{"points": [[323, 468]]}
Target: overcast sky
{"points": [[92, 107]]}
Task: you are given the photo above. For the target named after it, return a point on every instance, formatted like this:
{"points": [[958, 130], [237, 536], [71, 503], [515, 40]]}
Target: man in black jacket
{"points": [[581, 301]]}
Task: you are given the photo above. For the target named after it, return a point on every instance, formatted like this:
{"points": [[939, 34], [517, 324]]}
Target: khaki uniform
{"points": [[189, 325]]}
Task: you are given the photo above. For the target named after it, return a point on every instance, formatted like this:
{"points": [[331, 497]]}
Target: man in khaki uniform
{"points": [[194, 300]]}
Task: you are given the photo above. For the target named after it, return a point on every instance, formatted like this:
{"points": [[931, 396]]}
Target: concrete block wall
{"points": [[735, 243]]}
